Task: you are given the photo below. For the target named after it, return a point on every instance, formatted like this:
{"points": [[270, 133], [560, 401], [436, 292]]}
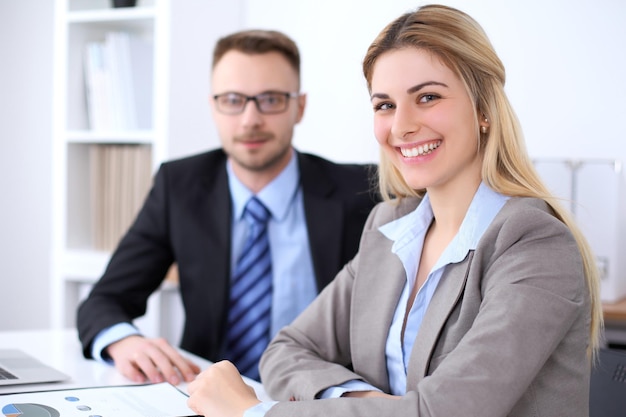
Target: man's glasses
{"points": [[271, 102]]}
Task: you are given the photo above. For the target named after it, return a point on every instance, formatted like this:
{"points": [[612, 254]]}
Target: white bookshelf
{"points": [[76, 263]]}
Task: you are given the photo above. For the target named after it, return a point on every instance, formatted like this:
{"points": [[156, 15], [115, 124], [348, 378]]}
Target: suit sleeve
{"points": [[136, 269]]}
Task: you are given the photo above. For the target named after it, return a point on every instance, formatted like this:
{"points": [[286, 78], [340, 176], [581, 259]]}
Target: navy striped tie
{"points": [[249, 315]]}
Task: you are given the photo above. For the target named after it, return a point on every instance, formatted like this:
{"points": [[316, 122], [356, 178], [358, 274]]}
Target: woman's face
{"points": [[424, 121]]}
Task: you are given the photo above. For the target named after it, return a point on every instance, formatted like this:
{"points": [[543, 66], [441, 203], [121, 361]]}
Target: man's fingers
{"points": [[130, 371], [186, 368], [146, 363], [156, 360]]}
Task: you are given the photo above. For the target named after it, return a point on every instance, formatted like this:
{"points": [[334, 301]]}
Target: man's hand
{"points": [[155, 360], [220, 391]]}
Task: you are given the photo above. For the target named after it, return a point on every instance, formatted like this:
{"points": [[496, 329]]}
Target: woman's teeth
{"points": [[420, 150]]}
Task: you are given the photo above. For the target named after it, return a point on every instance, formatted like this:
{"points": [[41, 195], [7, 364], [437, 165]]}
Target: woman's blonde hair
{"points": [[462, 45]]}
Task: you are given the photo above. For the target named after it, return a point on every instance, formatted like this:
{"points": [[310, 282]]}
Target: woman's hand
{"points": [[220, 391]]}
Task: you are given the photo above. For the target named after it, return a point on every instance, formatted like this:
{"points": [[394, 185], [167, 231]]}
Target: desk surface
{"points": [[615, 311], [61, 349]]}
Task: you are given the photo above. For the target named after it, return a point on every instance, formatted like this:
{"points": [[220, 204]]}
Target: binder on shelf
{"points": [[95, 80], [120, 179], [118, 78]]}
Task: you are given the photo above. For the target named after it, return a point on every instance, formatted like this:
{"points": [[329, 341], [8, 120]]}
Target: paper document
{"points": [[152, 400]]}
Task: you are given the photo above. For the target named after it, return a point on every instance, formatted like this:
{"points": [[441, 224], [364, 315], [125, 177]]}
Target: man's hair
{"points": [[258, 41]]}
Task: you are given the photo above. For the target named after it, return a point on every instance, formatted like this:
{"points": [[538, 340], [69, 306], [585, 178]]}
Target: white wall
{"points": [[25, 148], [565, 61], [566, 65], [191, 128]]}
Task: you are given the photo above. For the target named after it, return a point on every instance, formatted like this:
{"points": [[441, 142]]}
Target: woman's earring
{"points": [[483, 129]]}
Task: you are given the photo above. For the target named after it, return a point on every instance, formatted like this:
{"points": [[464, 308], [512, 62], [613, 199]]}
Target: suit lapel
{"points": [[324, 217], [215, 207], [447, 294]]}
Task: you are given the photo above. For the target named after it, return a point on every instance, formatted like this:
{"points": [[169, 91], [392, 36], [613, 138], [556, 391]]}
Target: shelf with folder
{"points": [[106, 185], [107, 140], [110, 69]]}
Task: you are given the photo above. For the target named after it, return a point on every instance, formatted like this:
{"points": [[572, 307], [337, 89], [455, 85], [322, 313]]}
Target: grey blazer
{"points": [[506, 332]]}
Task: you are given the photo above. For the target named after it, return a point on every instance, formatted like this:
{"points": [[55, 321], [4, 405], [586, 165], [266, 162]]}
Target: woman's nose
{"points": [[406, 122]]}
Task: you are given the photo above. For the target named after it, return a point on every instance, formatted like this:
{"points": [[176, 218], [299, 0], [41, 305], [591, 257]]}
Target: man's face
{"points": [[256, 142]]}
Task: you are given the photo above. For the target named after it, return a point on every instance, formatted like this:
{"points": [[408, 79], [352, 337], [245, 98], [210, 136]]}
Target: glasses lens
{"points": [[231, 102], [272, 102]]}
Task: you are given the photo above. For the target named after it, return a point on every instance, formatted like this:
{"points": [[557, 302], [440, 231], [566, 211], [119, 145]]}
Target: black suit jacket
{"points": [[186, 219]]}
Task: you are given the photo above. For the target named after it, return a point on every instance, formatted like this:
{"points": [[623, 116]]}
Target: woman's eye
{"points": [[383, 106], [426, 98]]}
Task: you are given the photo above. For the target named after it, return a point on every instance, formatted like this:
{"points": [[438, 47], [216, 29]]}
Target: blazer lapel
{"points": [[375, 298], [447, 294]]}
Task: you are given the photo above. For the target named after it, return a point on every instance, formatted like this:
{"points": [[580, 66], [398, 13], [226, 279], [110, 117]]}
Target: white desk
{"points": [[61, 349]]}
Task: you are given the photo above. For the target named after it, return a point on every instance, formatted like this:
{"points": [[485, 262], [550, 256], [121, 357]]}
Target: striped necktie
{"points": [[249, 315]]}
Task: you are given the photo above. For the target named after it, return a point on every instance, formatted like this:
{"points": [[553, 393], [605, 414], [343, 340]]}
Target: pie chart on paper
{"points": [[29, 410]]}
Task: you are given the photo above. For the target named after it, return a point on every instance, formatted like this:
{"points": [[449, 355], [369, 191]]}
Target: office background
{"points": [[566, 77]]}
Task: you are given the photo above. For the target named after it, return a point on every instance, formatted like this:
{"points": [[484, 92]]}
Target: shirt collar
{"points": [[483, 208], [276, 196]]}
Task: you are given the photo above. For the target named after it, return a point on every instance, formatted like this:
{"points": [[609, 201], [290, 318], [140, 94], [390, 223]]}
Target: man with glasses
{"points": [[193, 216]]}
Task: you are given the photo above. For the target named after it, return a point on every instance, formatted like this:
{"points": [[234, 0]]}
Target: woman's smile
{"points": [[419, 150]]}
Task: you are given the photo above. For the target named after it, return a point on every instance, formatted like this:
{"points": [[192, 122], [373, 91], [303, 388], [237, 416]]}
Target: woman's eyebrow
{"points": [[418, 87], [411, 90]]}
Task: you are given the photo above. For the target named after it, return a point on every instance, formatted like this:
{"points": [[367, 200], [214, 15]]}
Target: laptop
{"points": [[17, 367]]}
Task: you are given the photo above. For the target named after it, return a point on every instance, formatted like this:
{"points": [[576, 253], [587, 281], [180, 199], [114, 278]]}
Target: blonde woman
{"points": [[473, 293]]}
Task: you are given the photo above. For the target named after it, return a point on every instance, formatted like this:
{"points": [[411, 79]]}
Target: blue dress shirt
{"points": [[294, 285]]}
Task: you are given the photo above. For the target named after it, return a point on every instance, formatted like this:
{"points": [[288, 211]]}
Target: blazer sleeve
{"points": [[136, 269]]}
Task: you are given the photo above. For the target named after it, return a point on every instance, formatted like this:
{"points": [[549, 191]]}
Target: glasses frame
{"points": [[255, 99]]}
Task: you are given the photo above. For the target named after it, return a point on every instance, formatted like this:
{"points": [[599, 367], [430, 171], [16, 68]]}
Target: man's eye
{"points": [[233, 100], [271, 100]]}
